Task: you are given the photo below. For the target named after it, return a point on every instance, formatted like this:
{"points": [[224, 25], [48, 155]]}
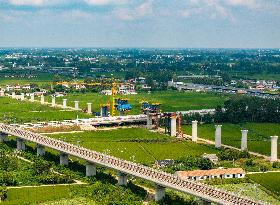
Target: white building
{"points": [[212, 174]]}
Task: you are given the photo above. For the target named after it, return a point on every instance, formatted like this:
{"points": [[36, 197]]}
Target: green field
{"points": [[252, 191], [36, 195], [136, 144], [271, 181], [258, 135], [14, 111], [170, 100], [40, 79]]}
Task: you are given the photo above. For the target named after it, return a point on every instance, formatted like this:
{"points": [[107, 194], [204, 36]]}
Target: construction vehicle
{"points": [[104, 110], [147, 107], [122, 106]]}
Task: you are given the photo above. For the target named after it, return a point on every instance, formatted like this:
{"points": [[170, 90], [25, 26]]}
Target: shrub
{"points": [[3, 193]]}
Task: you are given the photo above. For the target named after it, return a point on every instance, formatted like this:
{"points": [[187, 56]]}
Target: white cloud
{"points": [[27, 2], [34, 2], [211, 8], [248, 3], [143, 10], [105, 2]]}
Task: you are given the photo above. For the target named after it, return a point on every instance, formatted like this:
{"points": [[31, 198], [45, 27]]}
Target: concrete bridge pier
{"points": [[173, 129], [64, 159], [20, 144], [122, 178], [218, 136], [40, 150], [204, 202], [244, 140], [159, 192], [149, 121], [22, 97], [274, 155], [53, 101], [90, 169], [194, 131], [89, 108], [32, 97], [42, 99], [64, 103], [76, 105], [3, 137]]}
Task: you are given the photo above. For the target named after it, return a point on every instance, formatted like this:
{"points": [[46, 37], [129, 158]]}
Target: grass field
{"points": [[258, 135], [36, 195], [252, 191], [136, 144], [170, 100], [40, 79], [14, 111], [271, 181]]}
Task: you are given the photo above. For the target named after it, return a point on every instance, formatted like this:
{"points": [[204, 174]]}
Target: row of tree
{"points": [[249, 109]]}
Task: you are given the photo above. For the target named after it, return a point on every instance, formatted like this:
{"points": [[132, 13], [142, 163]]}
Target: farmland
{"points": [[14, 111], [250, 190], [170, 100], [258, 135], [136, 144], [270, 181], [35, 195]]}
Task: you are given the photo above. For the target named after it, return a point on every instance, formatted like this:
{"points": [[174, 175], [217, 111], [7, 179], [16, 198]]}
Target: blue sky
{"points": [[140, 23]]}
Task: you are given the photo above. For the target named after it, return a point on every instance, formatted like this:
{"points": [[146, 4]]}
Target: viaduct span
{"points": [[162, 180]]}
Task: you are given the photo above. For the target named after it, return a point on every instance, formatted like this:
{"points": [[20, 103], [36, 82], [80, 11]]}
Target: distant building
{"points": [[146, 87], [212, 174], [106, 92]]}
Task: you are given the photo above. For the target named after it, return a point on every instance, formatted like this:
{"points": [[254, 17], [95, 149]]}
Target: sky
{"points": [[140, 23]]}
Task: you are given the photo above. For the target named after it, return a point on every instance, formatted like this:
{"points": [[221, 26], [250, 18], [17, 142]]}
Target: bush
{"points": [[3, 193], [41, 166], [276, 165], [229, 154]]}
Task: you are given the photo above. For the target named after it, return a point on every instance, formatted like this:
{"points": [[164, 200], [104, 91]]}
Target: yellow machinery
{"points": [[114, 92]]}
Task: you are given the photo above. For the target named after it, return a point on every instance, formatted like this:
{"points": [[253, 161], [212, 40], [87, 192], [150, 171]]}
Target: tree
{"points": [[41, 166]]}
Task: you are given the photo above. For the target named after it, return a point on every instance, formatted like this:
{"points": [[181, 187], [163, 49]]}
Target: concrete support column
{"points": [[204, 202], [64, 103], [149, 121], [159, 193], [244, 140], [22, 97], [194, 131], [32, 97], [42, 99], [89, 108], [3, 137], [53, 101], [122, 178], [173, 129], [274, 153], [64, 159], [20, 144], [13, 95], [90, 169], [40, 150], [76, 105], [218, 136]]}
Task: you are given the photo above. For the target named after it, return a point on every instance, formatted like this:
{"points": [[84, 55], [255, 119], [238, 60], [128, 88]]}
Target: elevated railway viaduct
{"points": [[162, 180]]}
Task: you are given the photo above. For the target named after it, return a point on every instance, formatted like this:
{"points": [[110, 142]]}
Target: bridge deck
{"points": [[161, 178]]}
